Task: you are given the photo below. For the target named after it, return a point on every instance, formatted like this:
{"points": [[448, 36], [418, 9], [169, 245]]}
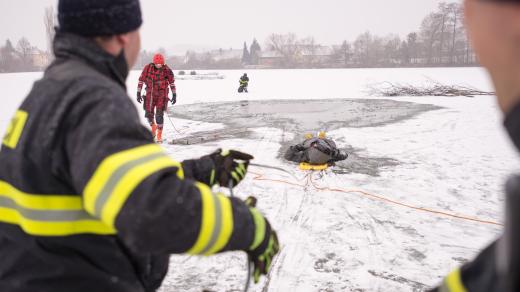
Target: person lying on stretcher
{"points": [[316, 151]]}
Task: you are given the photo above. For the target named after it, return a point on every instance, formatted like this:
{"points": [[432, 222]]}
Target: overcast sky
{"points": [[178, 25]]}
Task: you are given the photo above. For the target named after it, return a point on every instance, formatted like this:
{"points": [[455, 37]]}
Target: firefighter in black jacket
{"points": [[244, 83], [87, 201], [494, 28]]}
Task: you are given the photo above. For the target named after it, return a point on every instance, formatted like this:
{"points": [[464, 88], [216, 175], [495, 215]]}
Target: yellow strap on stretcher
{"points": [[308, 166]]}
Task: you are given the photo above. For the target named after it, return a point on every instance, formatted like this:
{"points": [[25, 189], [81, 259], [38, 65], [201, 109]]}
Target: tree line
{"points": [[19, 58], [439, 41]]}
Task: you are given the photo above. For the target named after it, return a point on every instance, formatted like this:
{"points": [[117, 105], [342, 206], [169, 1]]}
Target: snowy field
{"points": [[351, 231]]}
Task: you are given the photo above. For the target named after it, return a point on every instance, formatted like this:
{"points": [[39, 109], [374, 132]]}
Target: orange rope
{"points": [[260, 177], [379, 197]]}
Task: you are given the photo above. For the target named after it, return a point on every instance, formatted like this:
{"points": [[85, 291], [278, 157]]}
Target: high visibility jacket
{"points": [[244, 81], [87, 201]]}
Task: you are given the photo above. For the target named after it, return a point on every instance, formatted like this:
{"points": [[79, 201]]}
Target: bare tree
{"points": [[255, 51], [246, 56], [362, 48], [430, 32], [444, 15], [25, 51], [8, 57], [457, 32], [49, 20], [392, 47], [343, 54], [443, 36], [309, 49], [411, 46], [286, 45]]}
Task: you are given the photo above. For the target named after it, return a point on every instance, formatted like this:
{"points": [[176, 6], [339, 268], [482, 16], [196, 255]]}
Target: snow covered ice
{"points": [[452, 158]]}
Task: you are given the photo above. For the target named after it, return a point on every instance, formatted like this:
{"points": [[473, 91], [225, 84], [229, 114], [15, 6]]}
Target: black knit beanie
{"points": [[93, 18]]}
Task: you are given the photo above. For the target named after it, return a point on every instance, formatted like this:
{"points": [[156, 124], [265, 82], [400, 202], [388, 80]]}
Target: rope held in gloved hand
{"points": [[248, 281]]}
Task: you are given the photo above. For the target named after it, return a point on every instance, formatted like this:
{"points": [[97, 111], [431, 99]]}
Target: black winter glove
{"points": [[139, 97], [230, 166], [174, 98], [265, 245]]}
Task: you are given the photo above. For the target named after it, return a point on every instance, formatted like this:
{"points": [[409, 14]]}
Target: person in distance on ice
{"points": [[316, 151], [494, 29], [159, 79], [95, 205], [244, 83]]}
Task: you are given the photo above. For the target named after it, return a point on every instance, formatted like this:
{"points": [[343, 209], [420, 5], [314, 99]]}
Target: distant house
{"points": [[226, 55], [175, 61], [270, 59], [317, 55], [216, 56], [40, 59]]}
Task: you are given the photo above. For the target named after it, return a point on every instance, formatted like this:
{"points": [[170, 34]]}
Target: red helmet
{"points": [[158, 59]]}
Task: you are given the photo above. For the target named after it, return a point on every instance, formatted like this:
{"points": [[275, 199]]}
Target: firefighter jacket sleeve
{"points": [[142, 78], [140, 193]]}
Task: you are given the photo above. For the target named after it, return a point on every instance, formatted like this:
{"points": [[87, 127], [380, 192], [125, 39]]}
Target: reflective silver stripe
{"points": [[217, 227], [109, 187], [46, 215]]}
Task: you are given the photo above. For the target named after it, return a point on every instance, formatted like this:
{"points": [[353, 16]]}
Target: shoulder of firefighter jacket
{"points": [[480, 275], [496, 268]]}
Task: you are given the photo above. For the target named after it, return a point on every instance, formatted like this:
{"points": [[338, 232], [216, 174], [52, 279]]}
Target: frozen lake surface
{"points": [[354, 227]]}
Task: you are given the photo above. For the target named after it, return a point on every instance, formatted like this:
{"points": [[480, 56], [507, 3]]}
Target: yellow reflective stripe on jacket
{"points": [[15, 129], [241, 169], [118, 176], [259, 228], [39, 202], [453, 282], [47, 215], [235, 176], [216, 223]]}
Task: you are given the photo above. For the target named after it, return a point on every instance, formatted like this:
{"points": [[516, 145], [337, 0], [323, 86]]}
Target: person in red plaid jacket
{"points": [[159, 79]]}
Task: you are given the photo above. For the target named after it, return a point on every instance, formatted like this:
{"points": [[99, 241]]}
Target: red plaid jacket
{"points": [[158, 82]]}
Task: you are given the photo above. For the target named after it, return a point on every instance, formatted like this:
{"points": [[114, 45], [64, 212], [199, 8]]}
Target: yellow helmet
{"points": [[308, 136], [322, 134]]}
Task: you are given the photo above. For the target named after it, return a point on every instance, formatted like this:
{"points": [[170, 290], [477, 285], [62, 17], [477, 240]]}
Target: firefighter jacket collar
{"points": [[71, 46], [512, 124]]}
